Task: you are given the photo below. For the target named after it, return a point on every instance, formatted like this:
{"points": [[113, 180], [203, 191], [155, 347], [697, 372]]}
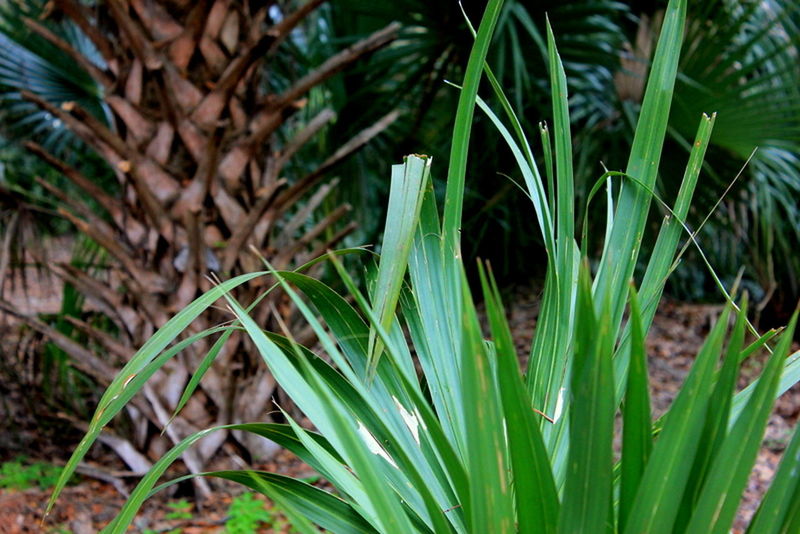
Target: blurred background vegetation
{"points": [[741, 61], [66, 69]]}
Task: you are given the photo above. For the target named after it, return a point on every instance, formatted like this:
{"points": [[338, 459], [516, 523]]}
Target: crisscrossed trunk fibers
{"points": [[191, 144]]}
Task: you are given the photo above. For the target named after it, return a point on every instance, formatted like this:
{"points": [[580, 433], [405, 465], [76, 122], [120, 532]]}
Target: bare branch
{"points": [[292, 225], [328, 221], [123, 352], [268, 120], [301, 138], [109, 203], [330, 244], [283, 28], [81, 358], [292, 194], [139, 42], [102, 296], [147, 280], [84, 124], [73, 203], [242, 232], [338, 62], [153, 185]]}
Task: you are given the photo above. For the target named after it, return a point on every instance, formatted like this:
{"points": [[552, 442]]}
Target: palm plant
{"points": [[747, 68], [471, 444], [196, 110], [432, 49], [748, 54]]}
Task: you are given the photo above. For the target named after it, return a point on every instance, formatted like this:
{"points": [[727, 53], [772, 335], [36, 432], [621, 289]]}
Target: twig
{"points": [[107, 341], [299, 140], [363, 137], [242, 233], [5, 254], [267, 118], [109, 203], [282, 29], [80, 358], [140, 44], [338, 62]]}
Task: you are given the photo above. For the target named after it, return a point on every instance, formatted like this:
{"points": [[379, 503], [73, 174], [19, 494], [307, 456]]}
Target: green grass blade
{"points": [[757, 344], [547, 149], [783, 495], [351, 332], [403, 477], [715, 428], [365, 463], [314, 400], [551, 350], [443, 463], [434, 325], [457, 170], [335, 470], [327, 511], [530, 175], [604, 181], [198, 373], [789, 377], [661, 487], [544, 345], [792, 521], [420, 475], [411, 476], [491, 507], [617, 264], [346, 325], [145, 486], [565, 211], [661, 260], [526, 163], [286, 436], [719, 499], [125, 382], [587, 490], [534, 488], [211, 355], [637, 432], [405, 203], [300, 523]]}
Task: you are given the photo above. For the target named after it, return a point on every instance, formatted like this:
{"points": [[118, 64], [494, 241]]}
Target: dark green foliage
{"points": [[740, 61], [21, 474]]}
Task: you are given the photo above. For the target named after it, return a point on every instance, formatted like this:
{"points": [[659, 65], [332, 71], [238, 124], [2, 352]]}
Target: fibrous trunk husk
{"points": [[202, 181]]}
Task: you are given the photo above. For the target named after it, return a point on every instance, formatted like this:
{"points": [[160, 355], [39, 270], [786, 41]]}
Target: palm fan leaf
{"points": [[28, 62]]}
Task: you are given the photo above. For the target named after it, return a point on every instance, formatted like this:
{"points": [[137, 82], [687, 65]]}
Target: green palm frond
{"points": [[28, 62], [743, 61]]}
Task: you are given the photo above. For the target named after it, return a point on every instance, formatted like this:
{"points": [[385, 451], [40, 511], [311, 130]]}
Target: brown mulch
{"points": [[675, 338]]}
